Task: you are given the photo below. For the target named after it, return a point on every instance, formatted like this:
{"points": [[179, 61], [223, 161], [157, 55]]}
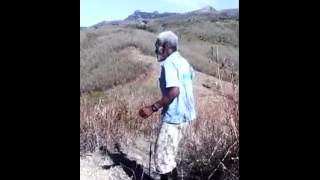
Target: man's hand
{"points": [[145, 112], [173, 92]]}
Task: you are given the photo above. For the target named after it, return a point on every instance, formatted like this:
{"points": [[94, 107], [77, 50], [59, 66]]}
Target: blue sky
{"points": [[94, 11]]}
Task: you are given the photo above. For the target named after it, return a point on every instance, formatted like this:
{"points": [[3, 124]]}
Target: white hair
{"points": [[169, 38]]}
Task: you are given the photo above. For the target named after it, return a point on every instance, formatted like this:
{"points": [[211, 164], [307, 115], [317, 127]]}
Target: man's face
{"points": [[160, 51]]}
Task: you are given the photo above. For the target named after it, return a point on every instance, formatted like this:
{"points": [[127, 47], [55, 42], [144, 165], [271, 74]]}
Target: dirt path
{"points": [[91, 168]]}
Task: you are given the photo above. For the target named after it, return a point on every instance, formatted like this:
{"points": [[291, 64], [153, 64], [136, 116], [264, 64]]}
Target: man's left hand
{"points": [[145, 112]]}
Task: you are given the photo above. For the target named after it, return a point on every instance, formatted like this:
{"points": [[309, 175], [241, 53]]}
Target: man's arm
{"points": [[173, 92]]}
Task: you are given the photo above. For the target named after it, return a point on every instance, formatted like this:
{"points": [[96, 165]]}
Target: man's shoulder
{"points": [[168, 63], [181, 59], [176, 61]]}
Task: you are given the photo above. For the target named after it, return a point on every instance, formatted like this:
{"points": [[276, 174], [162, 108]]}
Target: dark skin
{"points": [[162, 51], [165, 100]]}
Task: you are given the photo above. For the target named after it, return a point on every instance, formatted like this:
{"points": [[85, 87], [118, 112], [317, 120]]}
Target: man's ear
{"points": [[161, 49], [165, 45]]}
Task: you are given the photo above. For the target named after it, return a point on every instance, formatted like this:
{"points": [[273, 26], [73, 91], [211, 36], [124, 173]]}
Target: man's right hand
{"points": [[145, 112]]}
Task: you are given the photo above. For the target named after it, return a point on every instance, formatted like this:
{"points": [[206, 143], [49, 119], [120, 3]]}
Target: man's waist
{"points": [[177, 119]]}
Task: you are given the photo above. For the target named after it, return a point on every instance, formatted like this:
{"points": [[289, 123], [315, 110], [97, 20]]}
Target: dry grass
{"points": [[112, 123], [102, 65], [198, 37], [211, 146], [200, 40], [112, 116], [204, 59]]}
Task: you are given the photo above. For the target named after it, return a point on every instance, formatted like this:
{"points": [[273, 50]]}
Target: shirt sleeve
{"points": [[171, 75], [192, 72]]}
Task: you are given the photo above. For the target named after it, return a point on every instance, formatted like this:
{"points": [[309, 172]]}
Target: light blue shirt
{"points": [[177, 72]]}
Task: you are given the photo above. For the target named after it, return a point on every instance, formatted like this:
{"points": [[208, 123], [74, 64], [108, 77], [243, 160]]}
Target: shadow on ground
{"points": [[130, 167]]}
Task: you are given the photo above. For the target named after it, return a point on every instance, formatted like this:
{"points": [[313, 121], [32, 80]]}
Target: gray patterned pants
{"points": [[166, 147]]}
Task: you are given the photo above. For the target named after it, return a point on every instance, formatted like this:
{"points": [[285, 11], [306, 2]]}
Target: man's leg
{"points": [[173, 175], [166, 150]]}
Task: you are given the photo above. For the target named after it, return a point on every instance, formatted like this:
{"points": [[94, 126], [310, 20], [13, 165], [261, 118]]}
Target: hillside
{"points": [[138, 16], [119, 75], [147, 15], [210, 45]]}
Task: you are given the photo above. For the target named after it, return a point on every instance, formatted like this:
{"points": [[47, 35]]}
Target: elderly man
{"points": [[176, 102]]}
